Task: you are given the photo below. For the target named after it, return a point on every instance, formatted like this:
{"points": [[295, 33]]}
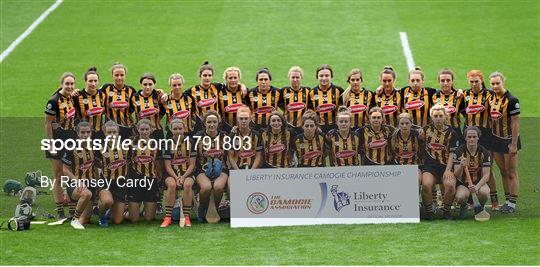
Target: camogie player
{"points": [[477, 113], [451, 99], [478, 160], [440, 142], [118, 97], [146, 105], [250, 154], [143, 168], [358, 99], [325, 98], [211, 170], [310, 148], [179, 164], [115, 163], [375, 138], [504, 112], [89, 102], [180, 106], [206, 93], [417, 99], [344, 144], [230, 98], [277, 140], [406, 143], [295, 99], [388, 97], [59, 124], [263, 99], [79, 166]]}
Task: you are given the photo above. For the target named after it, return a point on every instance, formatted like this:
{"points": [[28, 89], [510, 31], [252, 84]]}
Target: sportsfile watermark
{"points": [[206, 142], [120, 182]]}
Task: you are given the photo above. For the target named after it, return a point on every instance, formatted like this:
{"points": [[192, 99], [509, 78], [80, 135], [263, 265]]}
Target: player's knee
{"points": [[86, 194], [188, 184]]}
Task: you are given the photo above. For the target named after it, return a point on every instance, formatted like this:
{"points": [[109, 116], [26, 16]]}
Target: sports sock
{"points": [[186, 210], [168, 211], [60, 209], [493, 197]]}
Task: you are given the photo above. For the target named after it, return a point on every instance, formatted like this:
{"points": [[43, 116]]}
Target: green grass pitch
{"points": [[163, 37]]}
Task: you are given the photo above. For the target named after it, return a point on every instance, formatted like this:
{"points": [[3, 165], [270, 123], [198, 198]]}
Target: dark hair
{"points": [[91, 70], [263, 70], [472, 128], [284, 125], [310, 115], [389, 70], [206, 66], [324, 67], [147, 76]]}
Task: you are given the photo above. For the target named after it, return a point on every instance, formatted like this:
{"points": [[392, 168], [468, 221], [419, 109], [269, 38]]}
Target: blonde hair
{"points": [[405, 115], [497, 74], [437, 107], [416, 70], [227, 70], [310, 115], [118, 65], [176, 76], [175, 121], [346, 95], [295, 69]]}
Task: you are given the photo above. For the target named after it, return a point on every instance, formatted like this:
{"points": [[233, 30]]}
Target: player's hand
{"points": [[180, 182], [463, 161], [421, 134], [379, 90], [459, 93], [512, 149], [473, 189], [164, 98], [75, 93]]}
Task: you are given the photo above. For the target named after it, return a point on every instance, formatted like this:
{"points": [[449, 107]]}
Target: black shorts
{"points": [[436, 169], [118, 193], [139, 193], [98, 135], [486, 138], [63, 135], [70, 189], [125, 132], [459, 134], [500, 145]]}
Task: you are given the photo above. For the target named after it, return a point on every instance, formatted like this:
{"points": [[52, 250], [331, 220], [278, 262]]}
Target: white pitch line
{"points": [[407, 50], [25, 34]]}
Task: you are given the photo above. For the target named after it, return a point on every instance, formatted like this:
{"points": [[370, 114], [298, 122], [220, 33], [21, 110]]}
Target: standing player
{"points": [[295, 99], [115, 163], [206, 93], [375, 139], [310, 148], [477, 113], [277, 140], [59, 123], [440, 143], [478, 160], [344, 144], [250, 154], [358, 99], [230, 98], [118, 100], [180, 106], [506, 142], [263, 99], [143, 167], [146, 105], [451, 99], [325, 98], [89, 103], [388, 97], [179, 166], [211, 171], [417, 99]]}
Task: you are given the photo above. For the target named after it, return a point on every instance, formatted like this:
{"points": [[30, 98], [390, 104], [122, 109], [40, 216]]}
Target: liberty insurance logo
{"points": [[341, 199], [257, 203]]}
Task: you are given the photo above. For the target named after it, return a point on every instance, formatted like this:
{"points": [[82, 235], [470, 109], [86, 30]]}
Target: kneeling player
{"points": [[344, 144], [478, 161], [249, 155], [179, 164], [310, 148]]}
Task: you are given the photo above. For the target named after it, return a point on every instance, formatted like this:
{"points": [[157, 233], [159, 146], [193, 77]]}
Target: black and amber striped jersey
{"points": [[205, 99], [144, 160], [61, 107], [439, 144], [359, 104], [390, 105], [182, 108], [344, 151], [114, 161], [477, 108], [148, 107], [229, 103], [213, 148], [477, 160], [179, 155], [326, 103], [246, 157], [82, 163], [262, 104], [417, 104], [406, 151], [295, 103], [375, 146], [310, 152], [452, 104], [277, 148], [502, 109], [90, 108], [118, 103]]}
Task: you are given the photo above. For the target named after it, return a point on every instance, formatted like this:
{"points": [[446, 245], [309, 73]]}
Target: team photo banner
{"points": [[329, 195]]}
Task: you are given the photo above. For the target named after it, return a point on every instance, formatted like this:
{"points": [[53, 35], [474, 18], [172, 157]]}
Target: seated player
{"points": [[310, 148], [478, 160], [344, 144], [277, 142], [375, 139], [250, 152]]}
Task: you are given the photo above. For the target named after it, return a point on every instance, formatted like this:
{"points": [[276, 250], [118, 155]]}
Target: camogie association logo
{"points": [[257, 203], [341, 199]]}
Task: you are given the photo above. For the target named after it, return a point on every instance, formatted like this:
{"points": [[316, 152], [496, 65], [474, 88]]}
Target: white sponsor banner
{"points": [[328, 195]]}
